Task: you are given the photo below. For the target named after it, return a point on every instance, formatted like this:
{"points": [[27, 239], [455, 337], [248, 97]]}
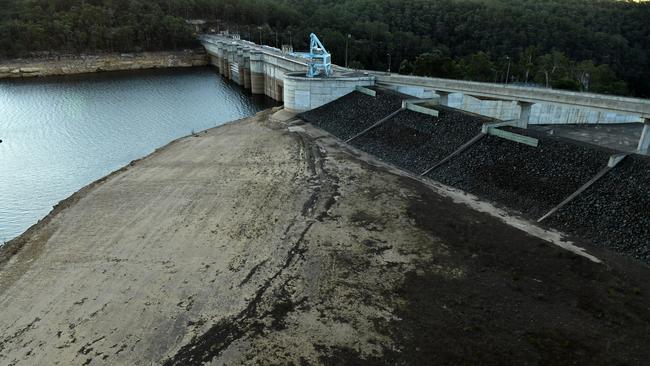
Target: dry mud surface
{"points": [[252, 245]]}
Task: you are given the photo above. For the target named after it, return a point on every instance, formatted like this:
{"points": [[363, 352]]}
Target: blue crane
{"points": [[319, 60]]}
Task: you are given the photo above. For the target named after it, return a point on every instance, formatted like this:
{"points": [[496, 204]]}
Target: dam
{"points": [[279, 75], [506, 144], [371, 223]]}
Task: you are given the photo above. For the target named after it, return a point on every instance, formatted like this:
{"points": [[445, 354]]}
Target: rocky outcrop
{"points": [[97, 63]]}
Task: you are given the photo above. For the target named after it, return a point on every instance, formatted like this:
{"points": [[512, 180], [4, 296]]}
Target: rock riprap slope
{"points": [[354, 112], [529, 179], [417, 141], [615, 211]]}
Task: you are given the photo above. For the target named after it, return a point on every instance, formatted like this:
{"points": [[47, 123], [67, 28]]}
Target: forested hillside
{"points": [[593, 45]]}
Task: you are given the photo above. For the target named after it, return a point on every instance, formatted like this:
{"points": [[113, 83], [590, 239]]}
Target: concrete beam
{"points": [[487, 126], [419, 109], [515, 137], [366, 91], [624, 105], [614, 160], [644, 141], [462, 148], [375, 125]]}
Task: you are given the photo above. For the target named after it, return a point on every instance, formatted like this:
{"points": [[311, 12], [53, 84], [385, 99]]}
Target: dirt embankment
{"points": [[82, 64], [250, 244]]}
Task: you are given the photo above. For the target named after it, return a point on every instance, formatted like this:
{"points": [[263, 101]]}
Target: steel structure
{"points": [[319, 60]]}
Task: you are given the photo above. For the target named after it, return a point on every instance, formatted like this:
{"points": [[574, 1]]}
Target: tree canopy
{"points": [[591, 45]]}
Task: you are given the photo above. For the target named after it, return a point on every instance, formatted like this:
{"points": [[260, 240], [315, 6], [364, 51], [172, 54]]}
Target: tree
{"points": [[477, 66], [526, 63], [552, 67], [435, 63], [599, 79], [546, 41]]}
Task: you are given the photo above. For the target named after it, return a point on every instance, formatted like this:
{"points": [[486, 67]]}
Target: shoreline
{"points": [[85, 64], [30, 242], [13, 247]]}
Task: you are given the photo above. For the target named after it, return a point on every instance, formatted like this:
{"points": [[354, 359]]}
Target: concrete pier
{"points": [[257, 72], [524, 116], [444, 97], [224, 59], [247, 68], [240, 66], [644, 142], [214, 61]]}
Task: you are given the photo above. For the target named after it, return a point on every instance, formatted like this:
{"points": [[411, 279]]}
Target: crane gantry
{"points": [[319, 60]]}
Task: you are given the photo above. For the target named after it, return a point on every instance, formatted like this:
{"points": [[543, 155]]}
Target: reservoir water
{"points": [[60, 134]]}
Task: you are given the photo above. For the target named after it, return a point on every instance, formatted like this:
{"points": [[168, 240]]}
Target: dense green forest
{"points": [[591, 45]]}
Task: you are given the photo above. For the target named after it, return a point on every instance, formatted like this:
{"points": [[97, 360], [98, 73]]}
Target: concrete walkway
{"points": [[622, 137], [249, 244]]}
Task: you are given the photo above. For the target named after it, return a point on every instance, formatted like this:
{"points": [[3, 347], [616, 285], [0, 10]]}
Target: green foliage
{"points": [[436, 63], [545, 41], [595, 45], [566, 83], [478, 66], [90, 26]]}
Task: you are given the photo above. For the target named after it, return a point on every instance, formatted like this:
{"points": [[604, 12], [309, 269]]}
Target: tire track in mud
{"points": [[248, 322]]}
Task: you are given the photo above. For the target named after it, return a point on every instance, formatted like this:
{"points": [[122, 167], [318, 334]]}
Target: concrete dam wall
{"points": [[281, 75], [531, 180], [278, 75]]}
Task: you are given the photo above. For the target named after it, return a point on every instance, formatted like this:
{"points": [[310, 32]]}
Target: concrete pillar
{"points": [[279, 90], [268, 82], [223, 51], [644, 142], [224, 57], [232, 54], [220, 57], [524, 116], [444, 97], [214, 61], [220, 53], [257, 73], [247, 68], [240, 66]]}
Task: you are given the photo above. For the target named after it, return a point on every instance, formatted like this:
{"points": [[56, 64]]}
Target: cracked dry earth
{"points": [[252, 245]]}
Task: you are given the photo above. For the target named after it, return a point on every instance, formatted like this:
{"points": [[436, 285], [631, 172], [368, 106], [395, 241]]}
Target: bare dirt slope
{"points": [[250, 244]]}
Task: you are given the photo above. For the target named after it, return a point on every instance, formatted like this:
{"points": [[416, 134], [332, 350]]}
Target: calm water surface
{"points": [[60, 134]]}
